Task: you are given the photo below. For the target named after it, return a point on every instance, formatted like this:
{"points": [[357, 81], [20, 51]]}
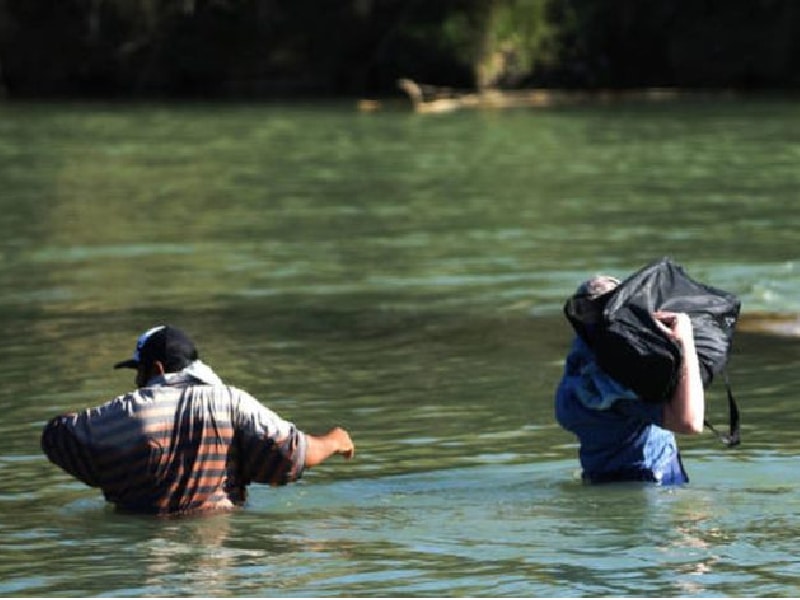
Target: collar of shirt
{"points": [[196, 371], [591, 385]]}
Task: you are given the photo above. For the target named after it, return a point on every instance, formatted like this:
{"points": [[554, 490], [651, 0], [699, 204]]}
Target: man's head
{"points": [[585, 308], [163, 349], [596, 286]]}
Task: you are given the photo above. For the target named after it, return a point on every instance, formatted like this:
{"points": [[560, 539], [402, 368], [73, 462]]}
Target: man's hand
{"points": [[677, 326], [345, 444], [320, 447]]}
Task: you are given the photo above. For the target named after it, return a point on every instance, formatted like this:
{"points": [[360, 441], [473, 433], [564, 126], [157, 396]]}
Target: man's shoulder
{"points": [[225, 393]]}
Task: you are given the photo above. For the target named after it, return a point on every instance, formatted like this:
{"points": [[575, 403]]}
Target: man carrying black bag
{"points": [[626, 423]]}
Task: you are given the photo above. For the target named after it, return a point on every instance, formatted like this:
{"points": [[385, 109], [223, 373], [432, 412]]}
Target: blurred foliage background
{"points": [[282, 48]]}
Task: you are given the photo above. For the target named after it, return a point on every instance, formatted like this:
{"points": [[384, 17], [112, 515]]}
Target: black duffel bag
{"points": [[630, 347]]}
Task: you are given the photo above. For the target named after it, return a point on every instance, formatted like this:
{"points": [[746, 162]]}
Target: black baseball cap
{"points": [[167, 344]]}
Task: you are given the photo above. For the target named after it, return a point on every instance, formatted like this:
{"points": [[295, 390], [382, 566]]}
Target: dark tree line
{"points": [[271, 48]]}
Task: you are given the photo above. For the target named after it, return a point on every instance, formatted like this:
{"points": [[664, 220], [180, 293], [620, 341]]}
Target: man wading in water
{"points": [[622, 437], [184, 442]]}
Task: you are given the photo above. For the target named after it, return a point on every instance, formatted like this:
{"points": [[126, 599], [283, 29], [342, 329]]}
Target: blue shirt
{"points": [[620, 435]]}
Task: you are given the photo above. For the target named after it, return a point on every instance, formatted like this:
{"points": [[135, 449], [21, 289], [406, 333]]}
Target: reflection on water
{"points": [[401, 276], [524, 530]]}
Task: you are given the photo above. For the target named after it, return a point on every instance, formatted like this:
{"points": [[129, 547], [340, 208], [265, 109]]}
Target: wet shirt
{"points": [[185, 443], [620, 435]]}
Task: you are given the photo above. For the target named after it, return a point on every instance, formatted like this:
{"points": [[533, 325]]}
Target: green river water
{"points": [[401, 275]]}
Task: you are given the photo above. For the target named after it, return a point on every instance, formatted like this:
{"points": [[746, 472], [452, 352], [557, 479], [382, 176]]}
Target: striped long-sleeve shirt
{"points": [[178, 445]]}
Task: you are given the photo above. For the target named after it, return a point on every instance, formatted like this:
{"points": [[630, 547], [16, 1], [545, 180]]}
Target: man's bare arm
{"points": [[685, 412]]}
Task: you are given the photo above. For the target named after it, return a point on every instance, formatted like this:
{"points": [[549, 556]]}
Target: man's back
{"points": [[177, 446]]}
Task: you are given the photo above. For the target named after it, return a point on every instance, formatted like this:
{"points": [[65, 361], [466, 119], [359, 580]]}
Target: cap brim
{"points": [[127, 364]]}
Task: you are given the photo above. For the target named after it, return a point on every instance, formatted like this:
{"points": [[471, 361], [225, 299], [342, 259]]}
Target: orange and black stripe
{"points": [[176, 448]]}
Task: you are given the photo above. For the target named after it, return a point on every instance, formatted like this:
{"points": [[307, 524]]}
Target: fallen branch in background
{"points": [[437, 99]]}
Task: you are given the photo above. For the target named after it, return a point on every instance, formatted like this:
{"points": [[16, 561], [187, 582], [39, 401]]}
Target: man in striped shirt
{"points": [[184, 442]]}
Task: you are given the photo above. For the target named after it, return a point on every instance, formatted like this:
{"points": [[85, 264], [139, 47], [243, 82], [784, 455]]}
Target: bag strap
{"points": [[733, 438]]}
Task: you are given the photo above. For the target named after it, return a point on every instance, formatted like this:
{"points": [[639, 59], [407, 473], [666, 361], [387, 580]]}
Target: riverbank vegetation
{"points": [[278, 48]]}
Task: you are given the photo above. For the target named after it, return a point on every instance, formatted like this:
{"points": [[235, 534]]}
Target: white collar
{"points": [[198, 370]]}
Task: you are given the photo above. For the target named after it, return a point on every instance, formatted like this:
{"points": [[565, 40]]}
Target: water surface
{"points": [[401, 275]]}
